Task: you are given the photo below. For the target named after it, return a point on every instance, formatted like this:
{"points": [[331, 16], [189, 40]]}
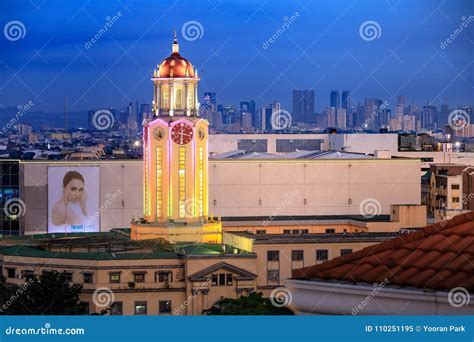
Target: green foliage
{"points": [[51, 293], [253, 304]]}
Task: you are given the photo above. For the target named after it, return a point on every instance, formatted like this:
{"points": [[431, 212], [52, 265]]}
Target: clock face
{"points": [[182, 133], [158, 133]]}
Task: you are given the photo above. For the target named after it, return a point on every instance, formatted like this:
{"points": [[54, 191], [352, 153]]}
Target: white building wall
{"points": [[363, 142], [245, 188]]}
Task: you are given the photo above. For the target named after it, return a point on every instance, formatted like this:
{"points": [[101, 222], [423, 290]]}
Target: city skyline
{"points": [[66, 52]]}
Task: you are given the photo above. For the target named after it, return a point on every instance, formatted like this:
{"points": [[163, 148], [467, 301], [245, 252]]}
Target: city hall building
{"points": [[176, 232]]}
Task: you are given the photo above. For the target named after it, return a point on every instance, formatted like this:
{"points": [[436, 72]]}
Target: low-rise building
{"points": [[428, 272]]}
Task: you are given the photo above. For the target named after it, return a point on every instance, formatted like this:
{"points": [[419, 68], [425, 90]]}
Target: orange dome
{"points": [[175, 65]]}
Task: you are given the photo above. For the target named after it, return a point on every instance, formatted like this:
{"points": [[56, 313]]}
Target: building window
{"points": [[165, 307], [179, 99], [182, 182], [165, 99], [139, 277], [140, 308], [292, 145], [27, 274], [68, 276], [455, 199], [229, 279], [252, 145], [345, 251], [321, 254], [114, 277], [159, 182], [273, 255], [87, 278], [455, 186], [162, 277], [190, 97], [330, 231], [116, 309], [222, 279], [273, 276], [297, 255], [11, 273]]}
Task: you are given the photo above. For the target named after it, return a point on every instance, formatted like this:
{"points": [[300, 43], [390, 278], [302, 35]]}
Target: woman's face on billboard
{"points": [[74, 190]]}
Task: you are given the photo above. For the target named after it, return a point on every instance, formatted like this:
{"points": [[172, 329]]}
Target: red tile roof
{"points": [[438, 257]]}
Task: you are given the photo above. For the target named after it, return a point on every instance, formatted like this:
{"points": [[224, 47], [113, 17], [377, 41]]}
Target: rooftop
{"points": [[323, 155], [113, 245], [317, 238], [438, 257]]}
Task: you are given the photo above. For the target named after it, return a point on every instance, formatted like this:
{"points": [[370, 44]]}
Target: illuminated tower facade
{"points": [[175, 157]]}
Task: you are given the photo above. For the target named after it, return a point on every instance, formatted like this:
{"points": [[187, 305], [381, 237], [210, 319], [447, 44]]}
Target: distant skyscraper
{"points": [[210, 98], [253, 112], [303, 106], [372, 113], [145, 112], [346, 104], [331, 117], [334, 99], [341, 118], [360, 116], [266, 115], [429, 117]]}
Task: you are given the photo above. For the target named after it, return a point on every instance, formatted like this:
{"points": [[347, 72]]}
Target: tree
{"points": [[51, 293], [253, 304]]}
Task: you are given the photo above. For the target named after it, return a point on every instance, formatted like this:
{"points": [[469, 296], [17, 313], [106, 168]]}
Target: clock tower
{"points": [[175, 157]]}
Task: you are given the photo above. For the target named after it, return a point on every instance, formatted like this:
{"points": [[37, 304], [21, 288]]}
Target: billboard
{"points": [[73, 199]]}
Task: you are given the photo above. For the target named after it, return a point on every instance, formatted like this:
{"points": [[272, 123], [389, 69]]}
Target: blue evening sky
{"points": [[320, 49]]}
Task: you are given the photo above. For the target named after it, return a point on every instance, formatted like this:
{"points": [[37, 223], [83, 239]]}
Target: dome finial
{"points": [[175, 43]]}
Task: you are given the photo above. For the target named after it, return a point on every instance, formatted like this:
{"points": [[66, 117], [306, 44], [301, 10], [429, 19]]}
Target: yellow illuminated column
{"points": [[182, 182], [159, 182]]}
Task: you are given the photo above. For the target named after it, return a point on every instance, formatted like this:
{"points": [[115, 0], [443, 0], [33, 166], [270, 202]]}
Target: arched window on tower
{"points": [[179, 99], [190, 97], [165, 99]]}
